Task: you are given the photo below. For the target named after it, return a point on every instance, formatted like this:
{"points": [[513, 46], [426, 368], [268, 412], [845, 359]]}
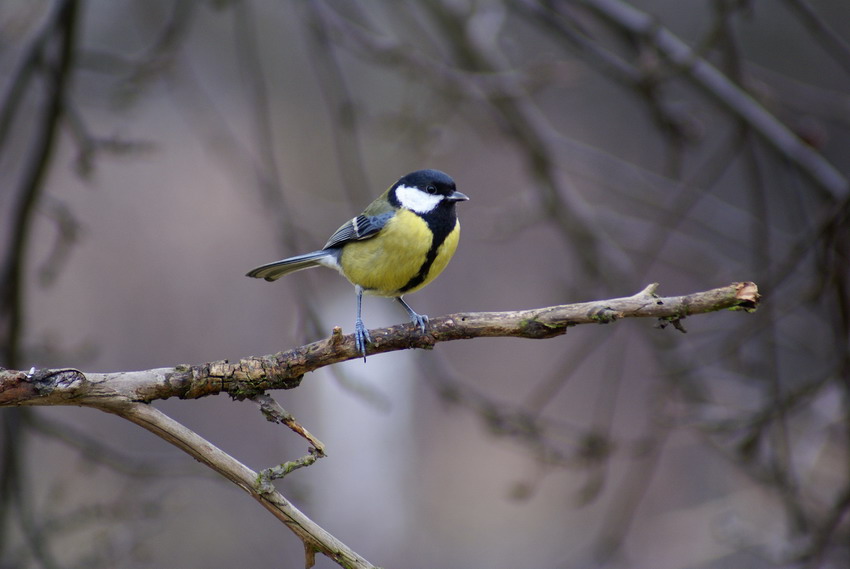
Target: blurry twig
{"points": [[94, 450], [716, 84], [30, 61], [832, 41], [813, 555], [630, 493], [158, 57], [342, 109], [89, 145], [57, 75]]}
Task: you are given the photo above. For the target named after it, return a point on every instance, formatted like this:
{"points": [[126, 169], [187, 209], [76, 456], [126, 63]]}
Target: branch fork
{"points": [[129, 394]]}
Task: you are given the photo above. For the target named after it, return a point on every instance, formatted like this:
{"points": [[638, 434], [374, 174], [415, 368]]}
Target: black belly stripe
{"points": [[442, 223], [424, 269]]}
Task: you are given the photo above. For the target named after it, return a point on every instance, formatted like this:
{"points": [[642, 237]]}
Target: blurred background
{"points": [[152, 152]]}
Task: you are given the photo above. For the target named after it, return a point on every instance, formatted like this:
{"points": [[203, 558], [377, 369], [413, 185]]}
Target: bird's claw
{"points": [[361, 337], [418, 320], [421, 321]]}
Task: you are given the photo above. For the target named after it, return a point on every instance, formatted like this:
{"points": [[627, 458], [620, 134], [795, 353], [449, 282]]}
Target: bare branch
{"points": [[315, 537], [284, 370], [126, 394]]}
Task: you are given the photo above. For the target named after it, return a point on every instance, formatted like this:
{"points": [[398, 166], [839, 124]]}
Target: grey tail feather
{"points": [[274, 271]]}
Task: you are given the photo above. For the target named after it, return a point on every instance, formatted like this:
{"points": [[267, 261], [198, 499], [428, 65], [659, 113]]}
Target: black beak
{"points": [[457, 197]]}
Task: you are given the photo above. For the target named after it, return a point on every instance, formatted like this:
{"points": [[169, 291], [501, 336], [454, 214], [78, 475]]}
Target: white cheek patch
{"points": [[416, 200]]}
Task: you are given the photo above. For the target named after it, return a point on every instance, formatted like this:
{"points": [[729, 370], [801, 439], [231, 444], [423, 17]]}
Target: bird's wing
{"points": [[361, 227]]}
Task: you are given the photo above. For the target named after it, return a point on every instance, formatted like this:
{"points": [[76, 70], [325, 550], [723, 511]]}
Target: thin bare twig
{"points": [[315, 537], [273, 412]]}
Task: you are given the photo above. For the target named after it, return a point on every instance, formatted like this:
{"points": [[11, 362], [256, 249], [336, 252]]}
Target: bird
{"points": [[401, 242]]}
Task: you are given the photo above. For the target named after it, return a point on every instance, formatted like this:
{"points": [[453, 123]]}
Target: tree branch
{"points": [[284, 370], [126, 394], [315, 537]]}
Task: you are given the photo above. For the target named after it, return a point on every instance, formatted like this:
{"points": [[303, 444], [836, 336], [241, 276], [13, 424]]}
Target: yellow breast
{"points": [[385, 264]]}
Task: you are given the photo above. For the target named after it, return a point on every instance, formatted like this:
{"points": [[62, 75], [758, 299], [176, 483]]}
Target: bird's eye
{"points": [[431, 189]]}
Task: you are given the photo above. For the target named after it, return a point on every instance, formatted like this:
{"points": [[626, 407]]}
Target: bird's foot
{"points": [[420, 320], [361, 337]]}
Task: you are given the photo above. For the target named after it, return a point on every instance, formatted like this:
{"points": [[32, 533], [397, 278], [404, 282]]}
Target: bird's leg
{"points": [[361, 334], [419, 319]]}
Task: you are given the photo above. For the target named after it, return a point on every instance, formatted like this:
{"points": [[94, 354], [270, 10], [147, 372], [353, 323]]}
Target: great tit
{"points": [[399, 244]]}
